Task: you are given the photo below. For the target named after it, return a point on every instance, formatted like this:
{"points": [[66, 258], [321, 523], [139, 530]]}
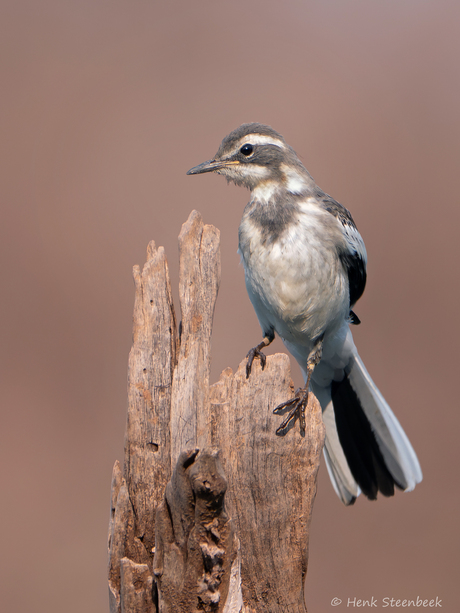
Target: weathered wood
{"points": [[212, 509], [150, 373], [152, 360], [196, 545], [271, 481], [136, 587], [199, 279]]}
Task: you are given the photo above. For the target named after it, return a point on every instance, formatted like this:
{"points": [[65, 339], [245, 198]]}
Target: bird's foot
{"points": [[255, 352], [298, 404]]}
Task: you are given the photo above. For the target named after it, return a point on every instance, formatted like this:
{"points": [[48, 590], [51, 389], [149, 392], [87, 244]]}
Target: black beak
{"points": [[208, 166]]}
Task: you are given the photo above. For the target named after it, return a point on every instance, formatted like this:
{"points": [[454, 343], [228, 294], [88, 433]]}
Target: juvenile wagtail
{"points": [[305, 268]]}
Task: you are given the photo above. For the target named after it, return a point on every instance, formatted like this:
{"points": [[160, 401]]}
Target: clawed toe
{"points": [[255, 352], [299, 401], [283, 405]]}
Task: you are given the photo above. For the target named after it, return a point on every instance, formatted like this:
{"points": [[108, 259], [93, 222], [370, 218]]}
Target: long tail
{"points": [[366, 448]]}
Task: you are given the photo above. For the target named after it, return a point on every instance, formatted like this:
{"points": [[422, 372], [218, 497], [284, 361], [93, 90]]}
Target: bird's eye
{"points": [[247, 149]]}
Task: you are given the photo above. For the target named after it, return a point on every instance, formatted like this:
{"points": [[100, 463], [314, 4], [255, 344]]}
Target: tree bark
{"points": [[211, 511]]}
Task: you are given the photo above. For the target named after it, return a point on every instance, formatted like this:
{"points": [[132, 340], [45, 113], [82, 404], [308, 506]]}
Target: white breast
{"points": [[296, 283]]}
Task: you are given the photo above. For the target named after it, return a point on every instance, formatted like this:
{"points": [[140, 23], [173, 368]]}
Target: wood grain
{"points": [[271, 481], [199, 279], [211, 511]]}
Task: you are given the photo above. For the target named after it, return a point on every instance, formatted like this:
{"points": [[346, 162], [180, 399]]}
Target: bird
{"points": [[305, 268]]}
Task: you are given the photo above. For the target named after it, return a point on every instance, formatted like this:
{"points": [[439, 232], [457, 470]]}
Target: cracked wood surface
{"points": [[199, 279], [211, 509], [271, 481]]}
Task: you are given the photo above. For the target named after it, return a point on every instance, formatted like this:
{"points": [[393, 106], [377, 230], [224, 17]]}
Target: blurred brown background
{"points": [[105, 106]]}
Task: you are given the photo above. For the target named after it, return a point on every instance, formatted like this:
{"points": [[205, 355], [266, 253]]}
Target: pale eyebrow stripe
{"points": [[257, 139], [262, 139]]}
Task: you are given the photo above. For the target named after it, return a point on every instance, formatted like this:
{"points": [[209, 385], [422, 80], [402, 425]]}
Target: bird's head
{"points": [[254, 155]]}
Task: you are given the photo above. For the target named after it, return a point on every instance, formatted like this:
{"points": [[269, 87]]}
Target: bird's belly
{"points": [[297, 286]]}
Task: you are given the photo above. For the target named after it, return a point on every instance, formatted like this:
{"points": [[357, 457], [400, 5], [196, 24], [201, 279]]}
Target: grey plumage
{"points": [[305, 268]]}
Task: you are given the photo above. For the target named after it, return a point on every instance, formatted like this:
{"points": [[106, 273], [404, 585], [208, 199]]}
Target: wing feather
{"points": [[353, 256]]}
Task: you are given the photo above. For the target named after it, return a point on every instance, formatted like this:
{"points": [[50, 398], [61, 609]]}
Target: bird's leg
{"points": [[256, 352], [300, 400]]}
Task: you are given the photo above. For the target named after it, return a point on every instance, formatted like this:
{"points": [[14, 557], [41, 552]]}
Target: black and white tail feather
{"points": [[366, 449]]}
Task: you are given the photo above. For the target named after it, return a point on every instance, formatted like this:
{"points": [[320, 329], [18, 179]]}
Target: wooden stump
{"points": [[211, 511]]}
